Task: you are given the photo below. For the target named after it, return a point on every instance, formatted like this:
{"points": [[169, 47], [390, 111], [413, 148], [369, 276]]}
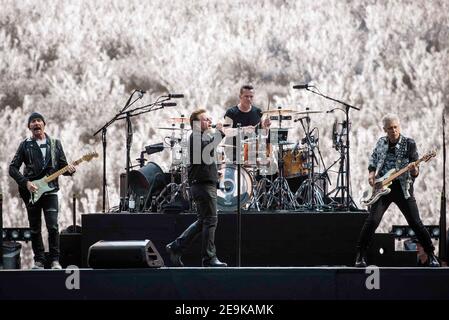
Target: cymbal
{"points": [[169, 128], [179, 119], [280, 111], [309, 111]]}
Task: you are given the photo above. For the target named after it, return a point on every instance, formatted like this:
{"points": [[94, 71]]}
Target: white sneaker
{"points": [[37, 265], [56, 266]]}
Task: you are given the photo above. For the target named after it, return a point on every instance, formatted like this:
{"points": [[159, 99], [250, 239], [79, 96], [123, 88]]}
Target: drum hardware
{"points": [[307, 112], [227, 196], [170, 128], [309, 191], [279, 193], [339, 132], [346, 189], [181, 119], [279, 111]]}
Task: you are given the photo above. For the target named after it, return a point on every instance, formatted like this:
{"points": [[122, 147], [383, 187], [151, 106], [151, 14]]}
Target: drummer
{"points": [[246, 114]]}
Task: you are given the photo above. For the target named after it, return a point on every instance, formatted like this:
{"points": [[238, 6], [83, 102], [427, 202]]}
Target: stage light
{"points": [[27, 235], [435, 232], [403, 231], [16, 234]]}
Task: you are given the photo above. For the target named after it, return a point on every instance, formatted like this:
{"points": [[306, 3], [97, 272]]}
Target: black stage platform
{"points": [[255, 284], [268, 239]]}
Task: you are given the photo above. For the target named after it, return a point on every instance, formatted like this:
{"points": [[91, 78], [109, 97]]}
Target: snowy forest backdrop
{"points": [[76, 62]]}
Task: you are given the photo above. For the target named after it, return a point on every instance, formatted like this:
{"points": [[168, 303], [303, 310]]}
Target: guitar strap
{"points": [[52, 151]]}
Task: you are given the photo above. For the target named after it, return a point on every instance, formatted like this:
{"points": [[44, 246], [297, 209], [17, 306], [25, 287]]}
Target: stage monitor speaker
{"points": [[124, 254]]}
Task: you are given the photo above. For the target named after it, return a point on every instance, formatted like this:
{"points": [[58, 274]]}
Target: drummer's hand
{"points": [[266, 123]]}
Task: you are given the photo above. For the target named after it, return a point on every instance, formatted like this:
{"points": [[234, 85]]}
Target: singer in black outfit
{"points": [[203, 179], [394, 152]]}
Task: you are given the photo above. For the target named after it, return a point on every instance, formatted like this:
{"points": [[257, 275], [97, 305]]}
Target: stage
{"points": [[284, 257], [226, 284], [268, 239]]}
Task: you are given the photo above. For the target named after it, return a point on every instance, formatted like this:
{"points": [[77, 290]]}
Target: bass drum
{"points": [[147, 181], [227, 191]]}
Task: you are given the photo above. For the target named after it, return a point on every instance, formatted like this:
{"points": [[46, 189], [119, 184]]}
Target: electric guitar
{"points": [[381, 185], [42, 184]]}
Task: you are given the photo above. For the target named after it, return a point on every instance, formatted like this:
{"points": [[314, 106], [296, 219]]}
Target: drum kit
{"points": [[269, 163]]}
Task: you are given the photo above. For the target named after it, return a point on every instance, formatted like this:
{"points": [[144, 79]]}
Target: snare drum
{"points": [[295, 163], [227, 191]]}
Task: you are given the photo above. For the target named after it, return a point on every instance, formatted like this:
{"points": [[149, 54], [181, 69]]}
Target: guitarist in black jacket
{"points": [[42, 156], [394, 152]]}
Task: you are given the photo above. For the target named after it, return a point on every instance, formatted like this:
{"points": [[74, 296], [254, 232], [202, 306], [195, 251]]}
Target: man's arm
{"points": [[14, 167], [372, 166], [62, 160], [413, 156]]}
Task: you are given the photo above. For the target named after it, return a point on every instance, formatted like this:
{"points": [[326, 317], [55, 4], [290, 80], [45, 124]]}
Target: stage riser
{"points": [[268, 239]]}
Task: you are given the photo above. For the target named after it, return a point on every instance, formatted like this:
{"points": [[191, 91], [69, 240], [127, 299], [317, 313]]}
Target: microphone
{"points": [[301, 86], [175, 95], [141, 93], [224, 125], [168, 104]]}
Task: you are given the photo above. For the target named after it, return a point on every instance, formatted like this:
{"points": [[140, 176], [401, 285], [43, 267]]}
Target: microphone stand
{"points": [[103, 131], [126, 114], [442, 243], [239, 209], [347, 108]]}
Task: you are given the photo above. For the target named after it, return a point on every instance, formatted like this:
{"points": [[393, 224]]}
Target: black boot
{"points": [[360, 260], [214, 263], [432, 261], [175, 256]]}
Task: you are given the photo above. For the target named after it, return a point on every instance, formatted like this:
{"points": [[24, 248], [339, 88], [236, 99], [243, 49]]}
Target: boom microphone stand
{"points": [[103, 131], [127, 114], [348, 107]]}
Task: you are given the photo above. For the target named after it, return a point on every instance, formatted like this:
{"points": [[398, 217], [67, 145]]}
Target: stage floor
{"points": [[261, 284]]}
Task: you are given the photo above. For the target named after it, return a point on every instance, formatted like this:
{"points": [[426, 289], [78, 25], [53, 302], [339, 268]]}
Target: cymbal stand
{"points": [[339, 192], [175, 189], [260, 198], [309, 190], [280, 190]]}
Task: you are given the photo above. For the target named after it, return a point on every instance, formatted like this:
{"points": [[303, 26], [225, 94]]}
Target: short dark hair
{"points": [[195, 116], [246, 87]]}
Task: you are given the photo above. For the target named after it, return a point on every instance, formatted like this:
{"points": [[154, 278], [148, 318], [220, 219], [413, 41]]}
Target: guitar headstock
{"points": [[429, 155], [89, 156]]}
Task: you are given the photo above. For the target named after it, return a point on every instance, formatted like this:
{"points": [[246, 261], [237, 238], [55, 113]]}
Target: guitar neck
{"points": [[56, 174], [399, 173]]}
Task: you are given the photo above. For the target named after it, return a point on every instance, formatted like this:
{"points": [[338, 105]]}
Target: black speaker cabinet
{"points": [[124, 254], [382, 253], [70, 246]]}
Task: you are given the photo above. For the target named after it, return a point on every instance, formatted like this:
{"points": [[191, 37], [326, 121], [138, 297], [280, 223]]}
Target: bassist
{"points": [[41, 155], [394, 152]]}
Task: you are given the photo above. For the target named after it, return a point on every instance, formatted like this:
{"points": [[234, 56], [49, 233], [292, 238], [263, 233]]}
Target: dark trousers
{"points": [[205, 197], [408, 208], [49, 205]]}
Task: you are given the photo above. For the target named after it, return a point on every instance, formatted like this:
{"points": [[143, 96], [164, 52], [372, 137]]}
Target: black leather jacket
{"points": [[35, 166]]}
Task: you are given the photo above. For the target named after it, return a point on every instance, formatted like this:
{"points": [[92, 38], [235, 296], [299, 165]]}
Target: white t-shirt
{"points": [[43, 145]]}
